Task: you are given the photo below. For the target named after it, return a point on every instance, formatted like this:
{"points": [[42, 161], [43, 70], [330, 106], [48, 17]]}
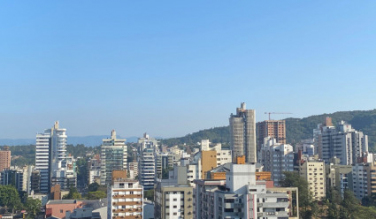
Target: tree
{"points": [[96, 195], [333, 211], [32, 207], [149, 194], [93, 187], [73, 194], [10, 198], [350, 205], [292, 179]]}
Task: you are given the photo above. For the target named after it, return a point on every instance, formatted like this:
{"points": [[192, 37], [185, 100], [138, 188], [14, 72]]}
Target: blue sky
{"points": [[170, 68]]}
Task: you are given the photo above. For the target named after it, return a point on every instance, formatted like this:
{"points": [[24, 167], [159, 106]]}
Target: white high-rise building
{"points": [[42, 151], [276, 158], [147, 171], [113, 157], [51, 160], [343, 142], [243, 134]]}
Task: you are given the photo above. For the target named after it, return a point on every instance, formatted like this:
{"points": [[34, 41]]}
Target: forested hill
{"points": [[296, 129]]}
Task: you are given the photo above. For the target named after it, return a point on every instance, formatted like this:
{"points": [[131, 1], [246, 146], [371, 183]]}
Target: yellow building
{"points": [[208, 162], [314, 173]]}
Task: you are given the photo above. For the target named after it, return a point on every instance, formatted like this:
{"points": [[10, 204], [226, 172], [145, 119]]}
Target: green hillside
{"points": [[296, 129], [215, 135]]}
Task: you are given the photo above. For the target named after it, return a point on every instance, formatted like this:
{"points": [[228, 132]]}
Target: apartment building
{"points": [[342, 142], [163, 162], [339, 177], [364, 180], [17, 177], [5, 158], [133, 169], [51, 160], [314, 172], [125, 199], [173, 200], [276, 158], [271, 128], [240, 196], [113, 157], [94, 166]]}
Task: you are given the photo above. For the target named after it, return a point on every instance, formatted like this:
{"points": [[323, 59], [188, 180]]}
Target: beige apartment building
{"points": [[314, 173], [173, 201], [125, 198]]}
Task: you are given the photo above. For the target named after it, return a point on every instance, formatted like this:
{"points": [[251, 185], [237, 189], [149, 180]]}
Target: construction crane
{"points": [[275, 113]]}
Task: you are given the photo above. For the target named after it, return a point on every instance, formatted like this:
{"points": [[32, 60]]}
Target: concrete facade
{"points": [[314, 173], [243, 134]]}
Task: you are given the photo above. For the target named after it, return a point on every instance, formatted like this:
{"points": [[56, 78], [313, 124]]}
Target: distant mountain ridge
{"points": [[296, 129]]}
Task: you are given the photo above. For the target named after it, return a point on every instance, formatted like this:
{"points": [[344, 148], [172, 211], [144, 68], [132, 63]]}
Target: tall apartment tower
{"points": [[271, 128], [243, 134], [342, 142], [5, 157], [113, 157], [50, 157]]}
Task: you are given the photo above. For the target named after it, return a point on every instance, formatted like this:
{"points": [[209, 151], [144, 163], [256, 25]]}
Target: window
{"points": [[130, 185]]}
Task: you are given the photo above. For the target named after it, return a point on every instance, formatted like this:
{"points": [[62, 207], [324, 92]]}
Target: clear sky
{"points": [[170, 68]]}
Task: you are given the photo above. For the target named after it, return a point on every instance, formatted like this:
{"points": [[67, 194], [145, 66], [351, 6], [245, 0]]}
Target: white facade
{"points": [[95, 170], [276, 158], [343, 142], [41, 159], [147, 161], [147, 168], [133, 170], [125, 199], [240, 196], [360, 180], [51, 160]]}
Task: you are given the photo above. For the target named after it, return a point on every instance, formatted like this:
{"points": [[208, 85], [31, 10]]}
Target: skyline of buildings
{"points": [[202, 179]]}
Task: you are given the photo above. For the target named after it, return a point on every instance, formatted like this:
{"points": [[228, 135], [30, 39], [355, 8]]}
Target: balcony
{"points": [[128, 217], [127, 203], [124, 210], [127, 196]]}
